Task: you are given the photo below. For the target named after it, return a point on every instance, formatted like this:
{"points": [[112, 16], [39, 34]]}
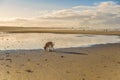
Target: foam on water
{"points": [[10, 41]]}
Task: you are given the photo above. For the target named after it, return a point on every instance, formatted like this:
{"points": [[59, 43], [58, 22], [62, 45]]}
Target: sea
{"points": [[28, 41]]}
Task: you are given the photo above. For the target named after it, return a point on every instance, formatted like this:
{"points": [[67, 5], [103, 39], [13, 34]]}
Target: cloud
{"points": [[100, 15], [100, 11]]}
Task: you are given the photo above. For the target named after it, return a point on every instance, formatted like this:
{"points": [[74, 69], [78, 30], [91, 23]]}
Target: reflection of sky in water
{"points": [[37, 40]]}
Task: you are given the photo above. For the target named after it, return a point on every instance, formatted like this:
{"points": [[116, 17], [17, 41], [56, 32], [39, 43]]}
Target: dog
{"points": [[49, 46]]}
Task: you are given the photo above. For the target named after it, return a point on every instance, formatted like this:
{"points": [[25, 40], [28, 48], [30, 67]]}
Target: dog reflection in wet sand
{"points": [[49, 46]]}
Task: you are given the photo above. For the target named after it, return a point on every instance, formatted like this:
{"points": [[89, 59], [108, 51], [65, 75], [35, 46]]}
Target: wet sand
{"points": [[100, 62]]}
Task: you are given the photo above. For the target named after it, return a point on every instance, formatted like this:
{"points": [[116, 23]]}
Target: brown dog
{"points": [[49, 46]]}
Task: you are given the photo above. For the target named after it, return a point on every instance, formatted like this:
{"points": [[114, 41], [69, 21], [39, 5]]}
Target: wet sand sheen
{"points": [[100, 62]]}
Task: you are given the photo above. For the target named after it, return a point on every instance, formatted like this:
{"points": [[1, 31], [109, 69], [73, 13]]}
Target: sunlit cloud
{"points": [[100, 15]]}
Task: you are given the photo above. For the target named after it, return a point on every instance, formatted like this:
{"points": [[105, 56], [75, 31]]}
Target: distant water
{"points": [[10, 41]]}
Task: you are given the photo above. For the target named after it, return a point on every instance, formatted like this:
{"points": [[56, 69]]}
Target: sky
{"points": [[61, 13]]}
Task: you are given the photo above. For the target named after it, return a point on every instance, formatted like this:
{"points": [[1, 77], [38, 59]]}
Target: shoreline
{"points": [[87, 46]]}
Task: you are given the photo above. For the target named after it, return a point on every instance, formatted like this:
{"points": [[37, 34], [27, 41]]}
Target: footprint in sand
{"points": [[83, 79], [28, 59], [9, 60], [62, 56], [8, 72], [22, 65], [118, 62], [29, 71], [67, 71], [38, 64], [8, 66], [45, 59]]}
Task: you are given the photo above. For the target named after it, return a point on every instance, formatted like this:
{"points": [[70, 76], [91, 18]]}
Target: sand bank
{"points": [[55, 30]]}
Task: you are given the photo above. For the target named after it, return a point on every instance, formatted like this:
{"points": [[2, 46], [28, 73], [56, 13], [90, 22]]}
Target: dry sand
{"points": [[100, 62]]}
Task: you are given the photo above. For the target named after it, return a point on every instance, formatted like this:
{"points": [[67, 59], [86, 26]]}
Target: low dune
{"points": [[100, 62]]}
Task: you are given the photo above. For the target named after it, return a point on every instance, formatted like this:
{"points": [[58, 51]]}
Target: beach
{"points": [[99, 62], [59, 39]]}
